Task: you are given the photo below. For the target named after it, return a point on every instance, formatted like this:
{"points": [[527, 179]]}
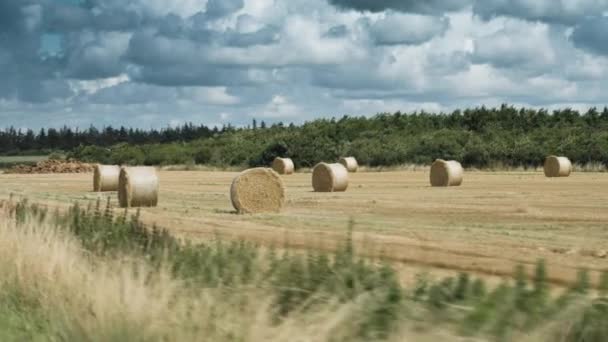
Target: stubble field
{"points": [[487, 226]]}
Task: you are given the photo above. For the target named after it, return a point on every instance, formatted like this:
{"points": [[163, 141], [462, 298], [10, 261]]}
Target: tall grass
{"points": [[90, 275]]}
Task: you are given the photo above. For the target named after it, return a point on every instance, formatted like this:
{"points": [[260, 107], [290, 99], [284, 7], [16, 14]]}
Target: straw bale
{"points": [[557, 166], [258, 190], [138, 187], [283, 166], [446, 173], [329, 177], [105, 177], [350, 163]]}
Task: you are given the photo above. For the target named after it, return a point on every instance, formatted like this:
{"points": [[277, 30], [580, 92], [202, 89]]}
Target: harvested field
{"points": [[488, 225]]}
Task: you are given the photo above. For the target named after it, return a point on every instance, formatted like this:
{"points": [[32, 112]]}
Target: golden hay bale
{"points": [[258, 190], [446, 173], [105, 177], [283, 166], [557, 166], [138, 187], [329, 177], [350, 163]]}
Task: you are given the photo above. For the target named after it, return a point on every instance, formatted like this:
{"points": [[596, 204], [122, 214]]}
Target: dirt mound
{"points": [[53, 166]]}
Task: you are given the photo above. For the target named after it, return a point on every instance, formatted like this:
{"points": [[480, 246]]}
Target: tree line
{"points": [[478, 137], [17, 141]]}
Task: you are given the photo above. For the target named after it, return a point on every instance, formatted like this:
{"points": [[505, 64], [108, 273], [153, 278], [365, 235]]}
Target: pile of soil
{"points": [[53, 166]]}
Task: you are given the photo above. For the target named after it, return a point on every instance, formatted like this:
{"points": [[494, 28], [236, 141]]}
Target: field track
{"points": [[492, 222]]}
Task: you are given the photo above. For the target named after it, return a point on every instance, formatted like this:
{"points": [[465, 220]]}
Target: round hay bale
{"points": [[350, 163], [105, 177], [329, 177], [138, 187], [283, 166], [446, 173], [557, 166], [258, 190]]}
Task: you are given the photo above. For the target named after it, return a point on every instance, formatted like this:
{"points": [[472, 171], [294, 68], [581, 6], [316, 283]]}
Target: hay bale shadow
{"points": [[225, 211]]}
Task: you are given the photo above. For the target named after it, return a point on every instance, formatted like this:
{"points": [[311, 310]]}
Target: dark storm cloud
{"points": [[525, 47], [397, 29], [24, 74], [132, 93], [222, 8], [351, 78], [60, 17], [36, 91], [63, 18], [339, 31], [264, 36], [193, 75], [160, 60], [95, 55], [592, 35], [93, 46], [409, 6], [194, 29], [553, 11], [11, 16]]}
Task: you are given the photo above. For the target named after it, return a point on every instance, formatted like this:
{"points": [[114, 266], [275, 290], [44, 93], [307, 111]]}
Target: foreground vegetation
{"points": [[90, 274], [479, 137]]}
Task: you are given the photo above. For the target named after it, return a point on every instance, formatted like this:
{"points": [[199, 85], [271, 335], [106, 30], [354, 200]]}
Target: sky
{"points": [[154, 63]]}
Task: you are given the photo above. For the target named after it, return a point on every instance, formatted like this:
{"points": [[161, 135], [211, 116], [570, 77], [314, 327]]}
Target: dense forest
{"points": [[480, 137], [20, 142]]}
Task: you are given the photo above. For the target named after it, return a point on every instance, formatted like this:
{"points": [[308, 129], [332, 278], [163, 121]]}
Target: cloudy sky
{"points": [[153, 63]]}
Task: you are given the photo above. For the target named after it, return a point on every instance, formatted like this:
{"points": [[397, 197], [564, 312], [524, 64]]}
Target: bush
{"points": [[266, 157], [93, 154], [603, 286], [203, 155], [593, 325], [56, 156], [127, 155], [168, 154]]}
